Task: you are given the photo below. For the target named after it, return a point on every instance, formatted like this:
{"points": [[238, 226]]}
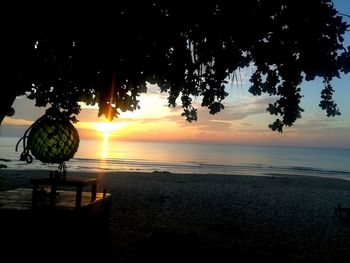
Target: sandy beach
{"points": [[163, 217]]}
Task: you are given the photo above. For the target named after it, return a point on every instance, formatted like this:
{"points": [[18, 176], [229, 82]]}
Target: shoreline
{"points": [[111, 166], [163, 216]]}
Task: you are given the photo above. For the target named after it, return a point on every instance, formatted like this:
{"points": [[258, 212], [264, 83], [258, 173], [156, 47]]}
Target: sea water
{"points": [[196, 158]]}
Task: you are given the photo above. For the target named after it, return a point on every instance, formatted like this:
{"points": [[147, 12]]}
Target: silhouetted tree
{"points": [[106, 53]]}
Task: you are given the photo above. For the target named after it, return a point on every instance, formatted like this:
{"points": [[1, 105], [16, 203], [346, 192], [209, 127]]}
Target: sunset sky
{"points": [[243, 121]]}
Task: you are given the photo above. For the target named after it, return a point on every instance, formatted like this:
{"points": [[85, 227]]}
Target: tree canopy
{"points": [[106, 54]]}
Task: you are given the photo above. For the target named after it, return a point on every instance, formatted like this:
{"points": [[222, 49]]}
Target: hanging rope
{"points": [[51, 139], [25, 155]]}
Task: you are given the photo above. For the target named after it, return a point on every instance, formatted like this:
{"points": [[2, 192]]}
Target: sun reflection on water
{"points": [[105, 145], [107, 129]]}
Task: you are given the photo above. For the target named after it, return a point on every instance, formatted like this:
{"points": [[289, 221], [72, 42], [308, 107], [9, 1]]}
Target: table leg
{"points": [[93, 192], [78, 196], [53, 194], [35, 195]]}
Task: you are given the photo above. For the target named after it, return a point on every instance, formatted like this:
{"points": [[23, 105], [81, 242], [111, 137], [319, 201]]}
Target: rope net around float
{"points": [[51, 139]]}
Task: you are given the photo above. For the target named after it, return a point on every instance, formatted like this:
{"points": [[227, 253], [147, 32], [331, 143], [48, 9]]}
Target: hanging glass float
{"points": [[51, 139]]}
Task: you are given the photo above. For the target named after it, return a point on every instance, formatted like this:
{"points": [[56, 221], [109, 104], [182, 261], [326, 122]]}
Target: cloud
{"points": [[13, 130], [153, 89], [25, 109], [154, 109], [314, 122], [225, 118], [17, 122], [246, 124]]}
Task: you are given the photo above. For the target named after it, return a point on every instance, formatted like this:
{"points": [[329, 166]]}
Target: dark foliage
{"points": [[106, 54]]}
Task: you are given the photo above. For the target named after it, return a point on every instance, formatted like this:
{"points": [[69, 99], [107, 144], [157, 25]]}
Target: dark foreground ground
{"points": [[173, 218]]}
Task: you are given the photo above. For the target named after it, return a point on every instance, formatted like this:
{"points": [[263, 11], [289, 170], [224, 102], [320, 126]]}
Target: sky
{"points": [[243, 121]]}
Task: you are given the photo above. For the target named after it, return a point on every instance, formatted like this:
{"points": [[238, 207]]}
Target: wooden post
{"points": [[35, 195], [93, 192], [78, 196], [53, 194]]}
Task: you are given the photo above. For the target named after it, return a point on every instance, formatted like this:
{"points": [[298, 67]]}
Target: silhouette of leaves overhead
{"points": [[106, 54]]}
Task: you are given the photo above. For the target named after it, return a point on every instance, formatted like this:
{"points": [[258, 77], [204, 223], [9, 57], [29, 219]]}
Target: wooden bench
{"points": [[55, 183]]}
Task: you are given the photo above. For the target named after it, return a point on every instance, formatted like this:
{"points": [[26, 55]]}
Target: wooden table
{"points": [[54, 183]]}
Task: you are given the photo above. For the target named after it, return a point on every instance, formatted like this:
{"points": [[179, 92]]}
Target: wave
{"points": [[201, 159], [193, 167]]}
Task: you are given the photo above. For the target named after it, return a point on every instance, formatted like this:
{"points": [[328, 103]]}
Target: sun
{"points": [[106, 128]]}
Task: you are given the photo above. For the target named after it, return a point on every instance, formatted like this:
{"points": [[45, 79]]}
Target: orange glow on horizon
{"points": [[106, 127], [105, 146]]}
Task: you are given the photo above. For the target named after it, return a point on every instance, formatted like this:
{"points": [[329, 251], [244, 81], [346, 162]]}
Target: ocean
{"points": [[193, 158]]}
